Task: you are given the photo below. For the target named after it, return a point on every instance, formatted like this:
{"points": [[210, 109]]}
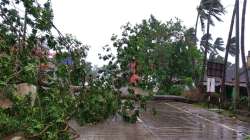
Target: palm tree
{"points": [[200, 16], [213, 48], [229, 47], [233, 47], [214, 7], [206, 10], [237, 34], [235, 50], [243, 50], [217, 46]]}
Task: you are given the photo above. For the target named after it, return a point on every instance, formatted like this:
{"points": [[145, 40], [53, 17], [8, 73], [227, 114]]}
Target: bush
{"points": [[243, 102], [96, 105], [45, 120], [8, 124], [175, 90], [247, 137], [172, 90]]}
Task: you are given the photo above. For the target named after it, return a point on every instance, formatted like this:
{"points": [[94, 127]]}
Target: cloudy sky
{"points": [[94, 21]]}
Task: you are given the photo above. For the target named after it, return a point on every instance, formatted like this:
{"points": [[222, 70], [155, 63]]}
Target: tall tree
{"points": [[22, 31], [163, 51], [237, 80], [213, 48], [243, 56], [214, 7], [206, 10], [228, 48]]}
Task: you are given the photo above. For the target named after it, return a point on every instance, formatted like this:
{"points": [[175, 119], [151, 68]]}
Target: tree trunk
{"points": [[223, 97], [196, 24], [203, 72], [194, 78], [24, 29], [237, 80], [243, 50]]}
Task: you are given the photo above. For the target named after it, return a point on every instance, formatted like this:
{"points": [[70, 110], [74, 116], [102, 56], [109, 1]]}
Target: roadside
{"points": [[242, 115], [172, 120], [222, 117]]}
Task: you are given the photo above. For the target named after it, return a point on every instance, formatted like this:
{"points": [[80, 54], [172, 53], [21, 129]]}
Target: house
{"points": [[230, 76], [230, 79]]}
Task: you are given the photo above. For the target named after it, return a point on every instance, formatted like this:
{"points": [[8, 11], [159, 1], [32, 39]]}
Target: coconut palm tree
{"points": [[207, 10], [237, 35], [213, 48], [243, 50], [233, 47], [229, 48]]}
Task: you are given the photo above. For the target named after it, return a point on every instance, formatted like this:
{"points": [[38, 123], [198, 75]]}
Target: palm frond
{"points": [[215, 8], [218, 44], [212, 56], [216, 17], [203, 41], [211, 22], [202, 49], [202, 24], [232, 47]]}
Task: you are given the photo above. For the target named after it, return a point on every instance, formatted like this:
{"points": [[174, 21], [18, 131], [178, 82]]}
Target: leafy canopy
{"points": [[162, 50]]}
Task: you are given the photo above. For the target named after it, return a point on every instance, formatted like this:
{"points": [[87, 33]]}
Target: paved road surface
{"points": [[173, 121]]}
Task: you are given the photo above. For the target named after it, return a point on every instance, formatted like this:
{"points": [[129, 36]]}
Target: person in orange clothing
{"points": [[134, 78], [133, 66]]}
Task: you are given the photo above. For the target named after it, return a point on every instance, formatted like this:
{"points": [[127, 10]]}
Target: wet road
{"points": [[173, 121]]}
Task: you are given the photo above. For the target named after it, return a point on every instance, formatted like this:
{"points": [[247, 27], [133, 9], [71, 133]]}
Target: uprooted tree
{"points": [[57, 83]]}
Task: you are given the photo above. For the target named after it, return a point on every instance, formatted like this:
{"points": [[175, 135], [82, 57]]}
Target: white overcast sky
{"points": [[94, 21]]}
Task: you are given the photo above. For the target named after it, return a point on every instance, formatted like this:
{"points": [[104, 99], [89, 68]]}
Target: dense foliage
{"points": [[98, 104], [25, 41], [164, 52], [68, 88]]}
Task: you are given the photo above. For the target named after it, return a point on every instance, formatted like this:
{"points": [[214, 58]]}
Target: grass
{"points": [[247, 137], [223, 112], [227, 113]]}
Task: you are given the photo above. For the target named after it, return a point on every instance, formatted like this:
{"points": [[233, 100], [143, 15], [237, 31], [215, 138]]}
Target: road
{"points": [[172, 121]]}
